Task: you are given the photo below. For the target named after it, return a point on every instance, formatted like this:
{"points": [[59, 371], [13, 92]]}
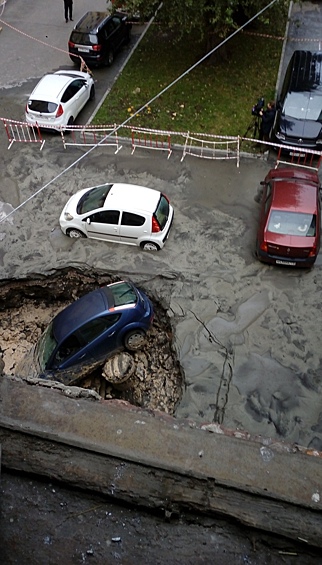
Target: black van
{"points": [[298, 119], [98, 36]]}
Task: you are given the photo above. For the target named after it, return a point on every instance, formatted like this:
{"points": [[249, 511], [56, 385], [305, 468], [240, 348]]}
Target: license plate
{"points": [[290, 263], [83, 50], [295, 154]]}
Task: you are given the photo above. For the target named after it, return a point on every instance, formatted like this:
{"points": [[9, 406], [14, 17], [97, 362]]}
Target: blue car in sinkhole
{"points": [[87, 332]]}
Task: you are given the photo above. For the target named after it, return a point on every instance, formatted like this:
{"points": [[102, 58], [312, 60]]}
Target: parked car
{"points": [[89, 331], [298, 120], [58, 98], [98, 36], [290, 218], [124, 213]]}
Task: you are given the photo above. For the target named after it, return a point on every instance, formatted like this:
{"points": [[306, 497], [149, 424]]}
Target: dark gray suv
{"points": [[298, 119], [97, 37]]}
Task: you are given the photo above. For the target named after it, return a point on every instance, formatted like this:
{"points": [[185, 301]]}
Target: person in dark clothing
{"points": [[68, 5], [267, 121]]}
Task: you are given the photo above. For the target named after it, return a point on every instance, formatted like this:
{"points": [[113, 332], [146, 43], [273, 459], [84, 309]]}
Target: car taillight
{"points": [[155, 225], [264, 247], [71, 44], [97, 47], [312, 253], [60, 111]]}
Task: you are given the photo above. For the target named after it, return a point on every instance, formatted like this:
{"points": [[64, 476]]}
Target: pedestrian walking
{"points": [[68, 5]]}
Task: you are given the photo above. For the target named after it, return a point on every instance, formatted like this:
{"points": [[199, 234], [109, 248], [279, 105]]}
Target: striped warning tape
{"points": [[281, 38], [83, 66]]}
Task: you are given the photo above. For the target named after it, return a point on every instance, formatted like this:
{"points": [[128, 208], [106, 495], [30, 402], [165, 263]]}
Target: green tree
{"points": [[210, 21]]}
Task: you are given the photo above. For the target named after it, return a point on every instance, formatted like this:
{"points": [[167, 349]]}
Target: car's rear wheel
{"points": [[70, 121], [128, 36], [149, 246], [75, 60], [74, 233], [135, 340], [109, 58], [92, 92]]}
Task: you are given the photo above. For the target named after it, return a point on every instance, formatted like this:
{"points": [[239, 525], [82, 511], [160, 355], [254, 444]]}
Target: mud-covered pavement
{"points": [[245, 334]]}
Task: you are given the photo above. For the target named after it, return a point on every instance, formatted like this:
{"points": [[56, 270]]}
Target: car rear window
{"points": [[82, 38], [42, 106], [93, 199], [120, 294], [292, 223], [162, 211]]}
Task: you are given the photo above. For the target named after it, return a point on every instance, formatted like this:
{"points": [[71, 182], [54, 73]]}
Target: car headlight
{"points": [[68, 216], [280, 135]]}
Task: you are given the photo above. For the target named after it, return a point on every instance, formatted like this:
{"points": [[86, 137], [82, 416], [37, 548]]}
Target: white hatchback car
{"points": [[58, 98], [124, 213]]}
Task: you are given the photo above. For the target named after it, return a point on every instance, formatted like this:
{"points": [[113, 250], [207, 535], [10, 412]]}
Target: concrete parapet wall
{"points": [[159, 462]]}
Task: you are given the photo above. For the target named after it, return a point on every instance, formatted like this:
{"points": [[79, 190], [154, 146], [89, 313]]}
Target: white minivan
{"points": [[124, 213]]}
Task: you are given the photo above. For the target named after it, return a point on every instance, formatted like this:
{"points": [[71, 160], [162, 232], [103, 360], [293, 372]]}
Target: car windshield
{"points": [[93, 199], [45, 346], [42, 106], [162, 212], [292, 223], [304, 106], [120, 294]]}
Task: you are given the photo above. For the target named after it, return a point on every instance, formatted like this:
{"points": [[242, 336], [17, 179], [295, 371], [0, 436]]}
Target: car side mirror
{"points": [[88, 221]]}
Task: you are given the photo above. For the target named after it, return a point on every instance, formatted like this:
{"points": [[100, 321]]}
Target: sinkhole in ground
{"points": [[28, 305]]}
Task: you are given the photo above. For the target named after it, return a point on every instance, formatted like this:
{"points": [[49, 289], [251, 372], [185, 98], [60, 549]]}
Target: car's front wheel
{"points": [[135, 340], [75, 234], [149, 246]]}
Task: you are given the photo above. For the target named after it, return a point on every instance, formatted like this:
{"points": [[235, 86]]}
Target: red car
{"points": [[289, 225]]}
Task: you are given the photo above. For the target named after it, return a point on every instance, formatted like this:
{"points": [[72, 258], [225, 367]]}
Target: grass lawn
{"points": [[215, 98]]}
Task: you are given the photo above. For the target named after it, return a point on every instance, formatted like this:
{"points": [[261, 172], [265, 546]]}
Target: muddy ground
{"points": [[246, 335]]}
